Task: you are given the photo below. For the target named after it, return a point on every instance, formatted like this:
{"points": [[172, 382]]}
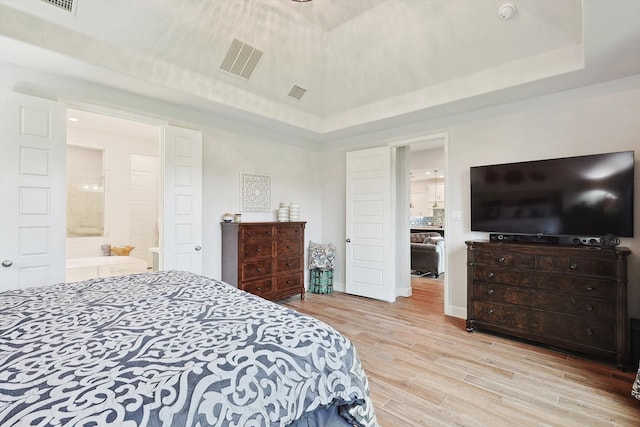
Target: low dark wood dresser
{"points": [[264, 258], [570, 297]]}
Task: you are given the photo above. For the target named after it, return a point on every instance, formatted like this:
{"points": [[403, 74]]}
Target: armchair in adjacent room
{"points": [[427, 253]]}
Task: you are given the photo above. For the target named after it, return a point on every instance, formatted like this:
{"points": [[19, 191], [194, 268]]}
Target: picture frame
{"points": [[255, 192]]}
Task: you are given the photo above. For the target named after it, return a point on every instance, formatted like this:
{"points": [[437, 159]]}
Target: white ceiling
{"points": [[365, 63]]}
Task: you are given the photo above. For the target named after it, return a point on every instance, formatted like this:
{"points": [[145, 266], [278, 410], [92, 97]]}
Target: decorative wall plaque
{"points": [[255, 192]]}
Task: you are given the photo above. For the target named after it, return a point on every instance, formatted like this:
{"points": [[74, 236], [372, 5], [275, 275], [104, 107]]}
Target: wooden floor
{"points": [[424, 369]]}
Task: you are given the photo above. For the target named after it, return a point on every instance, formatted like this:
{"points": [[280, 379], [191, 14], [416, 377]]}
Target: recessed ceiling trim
{"points": [[241, 59]]}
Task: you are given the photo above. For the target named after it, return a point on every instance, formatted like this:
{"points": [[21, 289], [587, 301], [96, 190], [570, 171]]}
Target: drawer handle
{"points": [[589, 288], [259, 269], [490, 311], [258, 288], [573, 266], [502, 260], [289, 282], [490, 275], [289, 264], [288, 247], [589, 331], [249, 233], [491, 292], [259, 250], [588, 307]]}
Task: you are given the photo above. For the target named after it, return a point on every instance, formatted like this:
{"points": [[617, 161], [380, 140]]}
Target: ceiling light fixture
{"points": [[301, 1]]}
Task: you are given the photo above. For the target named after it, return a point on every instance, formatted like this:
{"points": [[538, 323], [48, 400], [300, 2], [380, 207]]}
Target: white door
{"points": [[369, 258], [33, 188], [181, 239], [143, 199]]}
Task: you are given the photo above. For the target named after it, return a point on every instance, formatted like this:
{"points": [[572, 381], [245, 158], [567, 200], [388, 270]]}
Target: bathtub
{"points": [[78, 269]]}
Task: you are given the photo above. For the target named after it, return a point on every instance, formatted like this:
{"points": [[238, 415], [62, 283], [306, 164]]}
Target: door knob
{"points": [[348, 240], [198, 247], [7, 263]]}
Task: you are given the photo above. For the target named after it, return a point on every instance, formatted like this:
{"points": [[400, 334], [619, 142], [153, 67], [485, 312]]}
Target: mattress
{"points": [[171, 348]]}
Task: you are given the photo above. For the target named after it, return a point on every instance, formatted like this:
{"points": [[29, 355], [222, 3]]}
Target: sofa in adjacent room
{"points": [[427, 253]]}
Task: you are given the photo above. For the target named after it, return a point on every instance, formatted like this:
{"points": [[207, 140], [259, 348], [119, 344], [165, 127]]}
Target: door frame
{"points": [[400, 191], [70, 103]]}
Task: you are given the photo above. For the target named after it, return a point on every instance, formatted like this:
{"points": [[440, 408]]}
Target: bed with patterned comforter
{"points": [[635, 390], [171, 349]]}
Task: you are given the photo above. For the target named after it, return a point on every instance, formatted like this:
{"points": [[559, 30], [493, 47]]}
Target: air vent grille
{"points": [[241, 59], [62, 4], [297, 92]]}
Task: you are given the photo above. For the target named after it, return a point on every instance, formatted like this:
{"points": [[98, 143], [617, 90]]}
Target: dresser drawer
{"points": [[290, 232], [291, 282], [577, 286], [288, 247], [590, 308], [258, 249], [504, 259], [578, 266], [256, 269], [289, 264], [574, 331], [562, 284], [258, 287], [505, 276], [250, 233]]}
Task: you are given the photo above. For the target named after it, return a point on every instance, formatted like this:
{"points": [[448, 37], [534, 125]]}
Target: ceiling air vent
{"points": [[297, 92], [62, 4], [241, 59]]}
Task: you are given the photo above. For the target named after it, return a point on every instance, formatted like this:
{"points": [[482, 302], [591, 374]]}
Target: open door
{"points": [[181, 240], [370, 263], [33, 185]]}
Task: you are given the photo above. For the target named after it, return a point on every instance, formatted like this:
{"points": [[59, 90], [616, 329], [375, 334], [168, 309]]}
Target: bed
{"points": [[635, 390], [171, 349]]}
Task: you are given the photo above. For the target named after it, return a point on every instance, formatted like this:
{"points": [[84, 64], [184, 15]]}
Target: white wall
{"points": [[295, 178], [595, 119]]}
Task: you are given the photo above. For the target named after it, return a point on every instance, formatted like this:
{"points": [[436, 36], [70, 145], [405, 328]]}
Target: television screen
{"points": [[574, 196]]}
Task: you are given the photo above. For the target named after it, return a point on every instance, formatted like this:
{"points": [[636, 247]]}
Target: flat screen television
{"points": [[573, 196]]}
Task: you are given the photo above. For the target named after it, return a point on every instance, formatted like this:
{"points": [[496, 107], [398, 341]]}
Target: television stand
{"points": [[570, 297]]}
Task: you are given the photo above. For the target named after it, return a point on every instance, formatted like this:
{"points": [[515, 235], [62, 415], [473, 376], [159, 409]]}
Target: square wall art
{"points": [[255, 192]]}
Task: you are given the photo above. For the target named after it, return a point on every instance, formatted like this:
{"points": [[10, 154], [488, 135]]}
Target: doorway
{"points": [[113, 194], [421, 164]]}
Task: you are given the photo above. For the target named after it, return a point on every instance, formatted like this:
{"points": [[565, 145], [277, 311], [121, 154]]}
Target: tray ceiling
{"points": [[360, 61]]}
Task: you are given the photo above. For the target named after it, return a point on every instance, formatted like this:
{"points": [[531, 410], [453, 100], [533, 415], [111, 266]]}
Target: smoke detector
{"points": [[507, 11]]}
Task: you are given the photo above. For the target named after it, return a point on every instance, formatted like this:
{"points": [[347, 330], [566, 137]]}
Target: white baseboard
{"points": [[403, 292], [454, 311]]}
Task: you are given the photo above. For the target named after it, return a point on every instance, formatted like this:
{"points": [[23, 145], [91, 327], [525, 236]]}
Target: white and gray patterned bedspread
{"points": [[169, 349], [635, 390]]}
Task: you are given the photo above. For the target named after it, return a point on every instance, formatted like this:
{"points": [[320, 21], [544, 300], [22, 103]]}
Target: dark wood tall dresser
{"points": [[571, 297], [264, 258]]}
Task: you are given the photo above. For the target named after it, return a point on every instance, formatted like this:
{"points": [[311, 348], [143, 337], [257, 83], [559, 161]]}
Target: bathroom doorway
{"points": [[113, 195]]}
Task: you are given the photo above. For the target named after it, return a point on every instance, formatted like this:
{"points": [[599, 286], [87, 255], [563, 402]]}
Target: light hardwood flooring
{"points": [[424, 369]]}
